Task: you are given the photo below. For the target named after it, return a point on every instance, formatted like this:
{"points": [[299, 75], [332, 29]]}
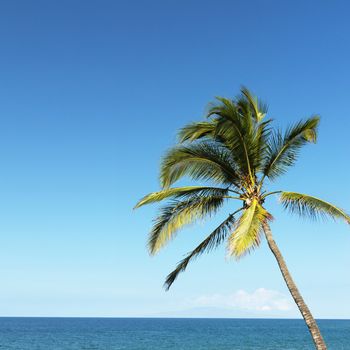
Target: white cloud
{"points": [[259, 300]]}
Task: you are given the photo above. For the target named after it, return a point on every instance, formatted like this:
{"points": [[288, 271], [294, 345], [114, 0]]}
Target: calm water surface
{"points": [[179, 334]]}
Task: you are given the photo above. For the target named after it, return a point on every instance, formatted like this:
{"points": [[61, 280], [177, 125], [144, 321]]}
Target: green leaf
{"points": [[178, 214], [195, 131], [210, 243], [259, 109], [240, 127], [200, 161], [248, 230], [237, 132], [282, 151], [181, 192], [311, 207]]}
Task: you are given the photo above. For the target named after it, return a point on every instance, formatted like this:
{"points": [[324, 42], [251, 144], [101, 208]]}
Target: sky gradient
{"points": [[91, 95]]}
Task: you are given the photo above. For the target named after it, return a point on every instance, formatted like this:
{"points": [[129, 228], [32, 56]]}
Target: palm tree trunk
{"points": [[310, 321]]}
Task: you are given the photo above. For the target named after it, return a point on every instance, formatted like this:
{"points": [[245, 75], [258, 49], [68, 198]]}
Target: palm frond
{"points": [[260, 144], [226, 108], [210, 243], [178, 214], [197, 130], [181, 192], [311, 207], [247, 233], [240, 127], [282, 150], [200, 161], [237, 131], [258, 107]]}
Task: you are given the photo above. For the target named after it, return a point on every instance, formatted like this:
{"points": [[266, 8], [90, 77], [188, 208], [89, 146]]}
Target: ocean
{"points": [[166, 333]]}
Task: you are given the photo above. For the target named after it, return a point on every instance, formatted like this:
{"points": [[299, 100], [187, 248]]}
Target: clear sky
{"points": [[91, 95]]}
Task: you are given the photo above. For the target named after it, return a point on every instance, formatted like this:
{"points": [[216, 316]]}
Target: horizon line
{"points": [[174, 317]]}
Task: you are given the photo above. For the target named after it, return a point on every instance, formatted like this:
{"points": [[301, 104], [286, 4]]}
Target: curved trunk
{"points": [[310, 321]]}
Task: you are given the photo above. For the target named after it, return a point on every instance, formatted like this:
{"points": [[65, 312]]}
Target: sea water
{"points": [[166, 333]]}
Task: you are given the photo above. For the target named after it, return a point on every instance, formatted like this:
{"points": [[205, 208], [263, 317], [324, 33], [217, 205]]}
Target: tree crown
{"points": [[233, 152]]}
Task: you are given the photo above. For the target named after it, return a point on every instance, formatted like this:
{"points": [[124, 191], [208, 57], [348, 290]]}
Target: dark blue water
{"points": [[179, 334]]}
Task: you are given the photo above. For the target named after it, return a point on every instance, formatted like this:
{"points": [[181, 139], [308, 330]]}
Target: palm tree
{"points": [[234, 152]]}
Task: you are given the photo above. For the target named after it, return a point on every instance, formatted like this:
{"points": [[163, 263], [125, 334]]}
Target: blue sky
{"points": [[91, 95]]}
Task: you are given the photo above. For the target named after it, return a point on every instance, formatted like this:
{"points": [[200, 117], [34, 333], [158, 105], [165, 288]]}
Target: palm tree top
{"points": [[233, 152]]}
